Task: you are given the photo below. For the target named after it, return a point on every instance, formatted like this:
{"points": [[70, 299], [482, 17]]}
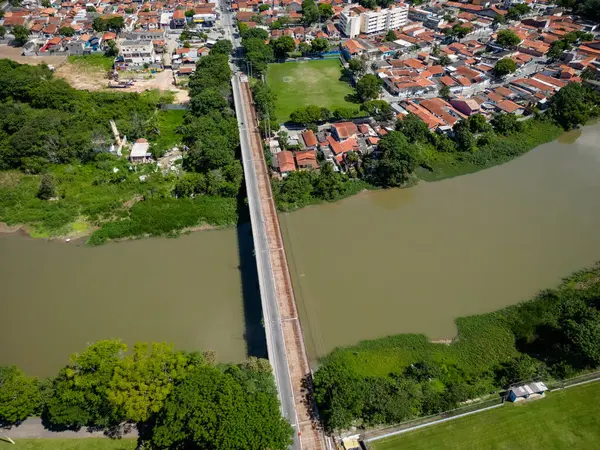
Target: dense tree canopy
{"points": [[413, 128], [231, 409], [222, 46], [507, 38], [81, 389], [44, 121], [19, 396], [574, 105], [310, 114], [368, 87], [504, 67], [397, 162], [283, 46]]}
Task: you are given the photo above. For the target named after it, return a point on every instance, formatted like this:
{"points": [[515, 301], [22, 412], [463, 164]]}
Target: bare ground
{"points": [[81, 77]]}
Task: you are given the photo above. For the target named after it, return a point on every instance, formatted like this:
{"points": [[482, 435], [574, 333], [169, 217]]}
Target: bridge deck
{"points": [[294, 365]]}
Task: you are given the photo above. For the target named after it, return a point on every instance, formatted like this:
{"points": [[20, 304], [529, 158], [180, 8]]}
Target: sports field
{"points": [[304, 83], [565, 420]]}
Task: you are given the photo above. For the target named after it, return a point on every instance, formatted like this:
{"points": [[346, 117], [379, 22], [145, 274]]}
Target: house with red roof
{"points": [[285, 162]]}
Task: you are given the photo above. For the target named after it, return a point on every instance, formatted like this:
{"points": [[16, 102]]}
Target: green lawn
{"points": [[70, 444], [168, 121], [298, 84], [568, 419], [93, 61]]}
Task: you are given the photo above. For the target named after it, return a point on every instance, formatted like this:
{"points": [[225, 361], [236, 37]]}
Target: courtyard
{"points": [[303, 83]]}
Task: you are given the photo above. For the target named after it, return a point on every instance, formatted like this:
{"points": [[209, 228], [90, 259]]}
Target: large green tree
{"points": [[222, 46], [210, 409], [507, 38], [19, 396], [504, 67], [21, 35], [413, 128], [397, 162], [142, 382], [573, 105], [81, 389], [283, 46], [368, 87], [310, 12]]}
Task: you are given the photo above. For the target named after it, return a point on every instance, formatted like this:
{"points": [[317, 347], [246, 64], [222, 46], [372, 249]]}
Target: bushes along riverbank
{"points": [[389, 380], [412, 152]]}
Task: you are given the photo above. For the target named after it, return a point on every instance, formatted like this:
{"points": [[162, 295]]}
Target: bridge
{"points": [[285, 343]]}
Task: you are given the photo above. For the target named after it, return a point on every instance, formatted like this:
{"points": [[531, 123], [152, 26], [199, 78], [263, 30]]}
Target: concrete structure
{"points": [[140, 152], [138, 53], [353, 22], [350, 22]]}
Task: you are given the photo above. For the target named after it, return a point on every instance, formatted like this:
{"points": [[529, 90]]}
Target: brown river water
{"points": [[380, 263], [412, 260]]}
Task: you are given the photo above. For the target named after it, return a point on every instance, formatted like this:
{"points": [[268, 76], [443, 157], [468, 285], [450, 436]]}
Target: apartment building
{"points": [[350, 21], [138, 53], [354, 21]]}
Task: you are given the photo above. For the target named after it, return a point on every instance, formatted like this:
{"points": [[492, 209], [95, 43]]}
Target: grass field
{"points": [[567, 419], [99, 62], [298, 84], [168, 121], [70, 444]]}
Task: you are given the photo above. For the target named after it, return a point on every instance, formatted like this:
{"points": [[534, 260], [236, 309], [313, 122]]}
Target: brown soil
{"points": [[81, 77]]}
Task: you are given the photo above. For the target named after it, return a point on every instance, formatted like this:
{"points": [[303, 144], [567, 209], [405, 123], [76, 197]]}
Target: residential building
{"points": [[350, 22], [354, 21], [285, 162], [178, 19], [138, 53], [140, 152]]}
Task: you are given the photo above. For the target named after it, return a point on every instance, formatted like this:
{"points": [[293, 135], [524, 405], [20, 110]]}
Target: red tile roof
{"points": [[285, 159]]}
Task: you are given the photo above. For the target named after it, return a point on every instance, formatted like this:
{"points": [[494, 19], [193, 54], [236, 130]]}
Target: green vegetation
{"points": [[393, 379], [167, 217], [499, 149], [308, 82], [168, 123], [58, 137], [564, 420], [93, 61], [72, 444], [303, 188], [507, 38], [504, 67], [176, 399]]}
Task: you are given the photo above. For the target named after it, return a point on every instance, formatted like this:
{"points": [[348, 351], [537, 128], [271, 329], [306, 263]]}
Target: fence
{"points": [[475, 407], [381, 433]]}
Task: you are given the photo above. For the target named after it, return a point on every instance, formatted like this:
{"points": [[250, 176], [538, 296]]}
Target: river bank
{"points": [[412, 260], [548, 337]]}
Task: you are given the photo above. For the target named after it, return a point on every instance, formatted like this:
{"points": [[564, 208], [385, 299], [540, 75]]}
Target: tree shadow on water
{"points": [[255, 332]]}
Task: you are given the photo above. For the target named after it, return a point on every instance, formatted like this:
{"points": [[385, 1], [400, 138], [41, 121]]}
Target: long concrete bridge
{"points": [[285, 343]]}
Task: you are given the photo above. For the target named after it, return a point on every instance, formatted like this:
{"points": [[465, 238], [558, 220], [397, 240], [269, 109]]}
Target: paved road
{"points": [[268, 294], [32, 428]]}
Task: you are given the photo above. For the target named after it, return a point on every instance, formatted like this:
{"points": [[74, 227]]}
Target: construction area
{"points": [[310, 434]]}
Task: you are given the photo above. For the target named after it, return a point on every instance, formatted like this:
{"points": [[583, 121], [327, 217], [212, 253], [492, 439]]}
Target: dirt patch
{"points": [[10, 179], [90, 79], [83, 77], [14, 53]]}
